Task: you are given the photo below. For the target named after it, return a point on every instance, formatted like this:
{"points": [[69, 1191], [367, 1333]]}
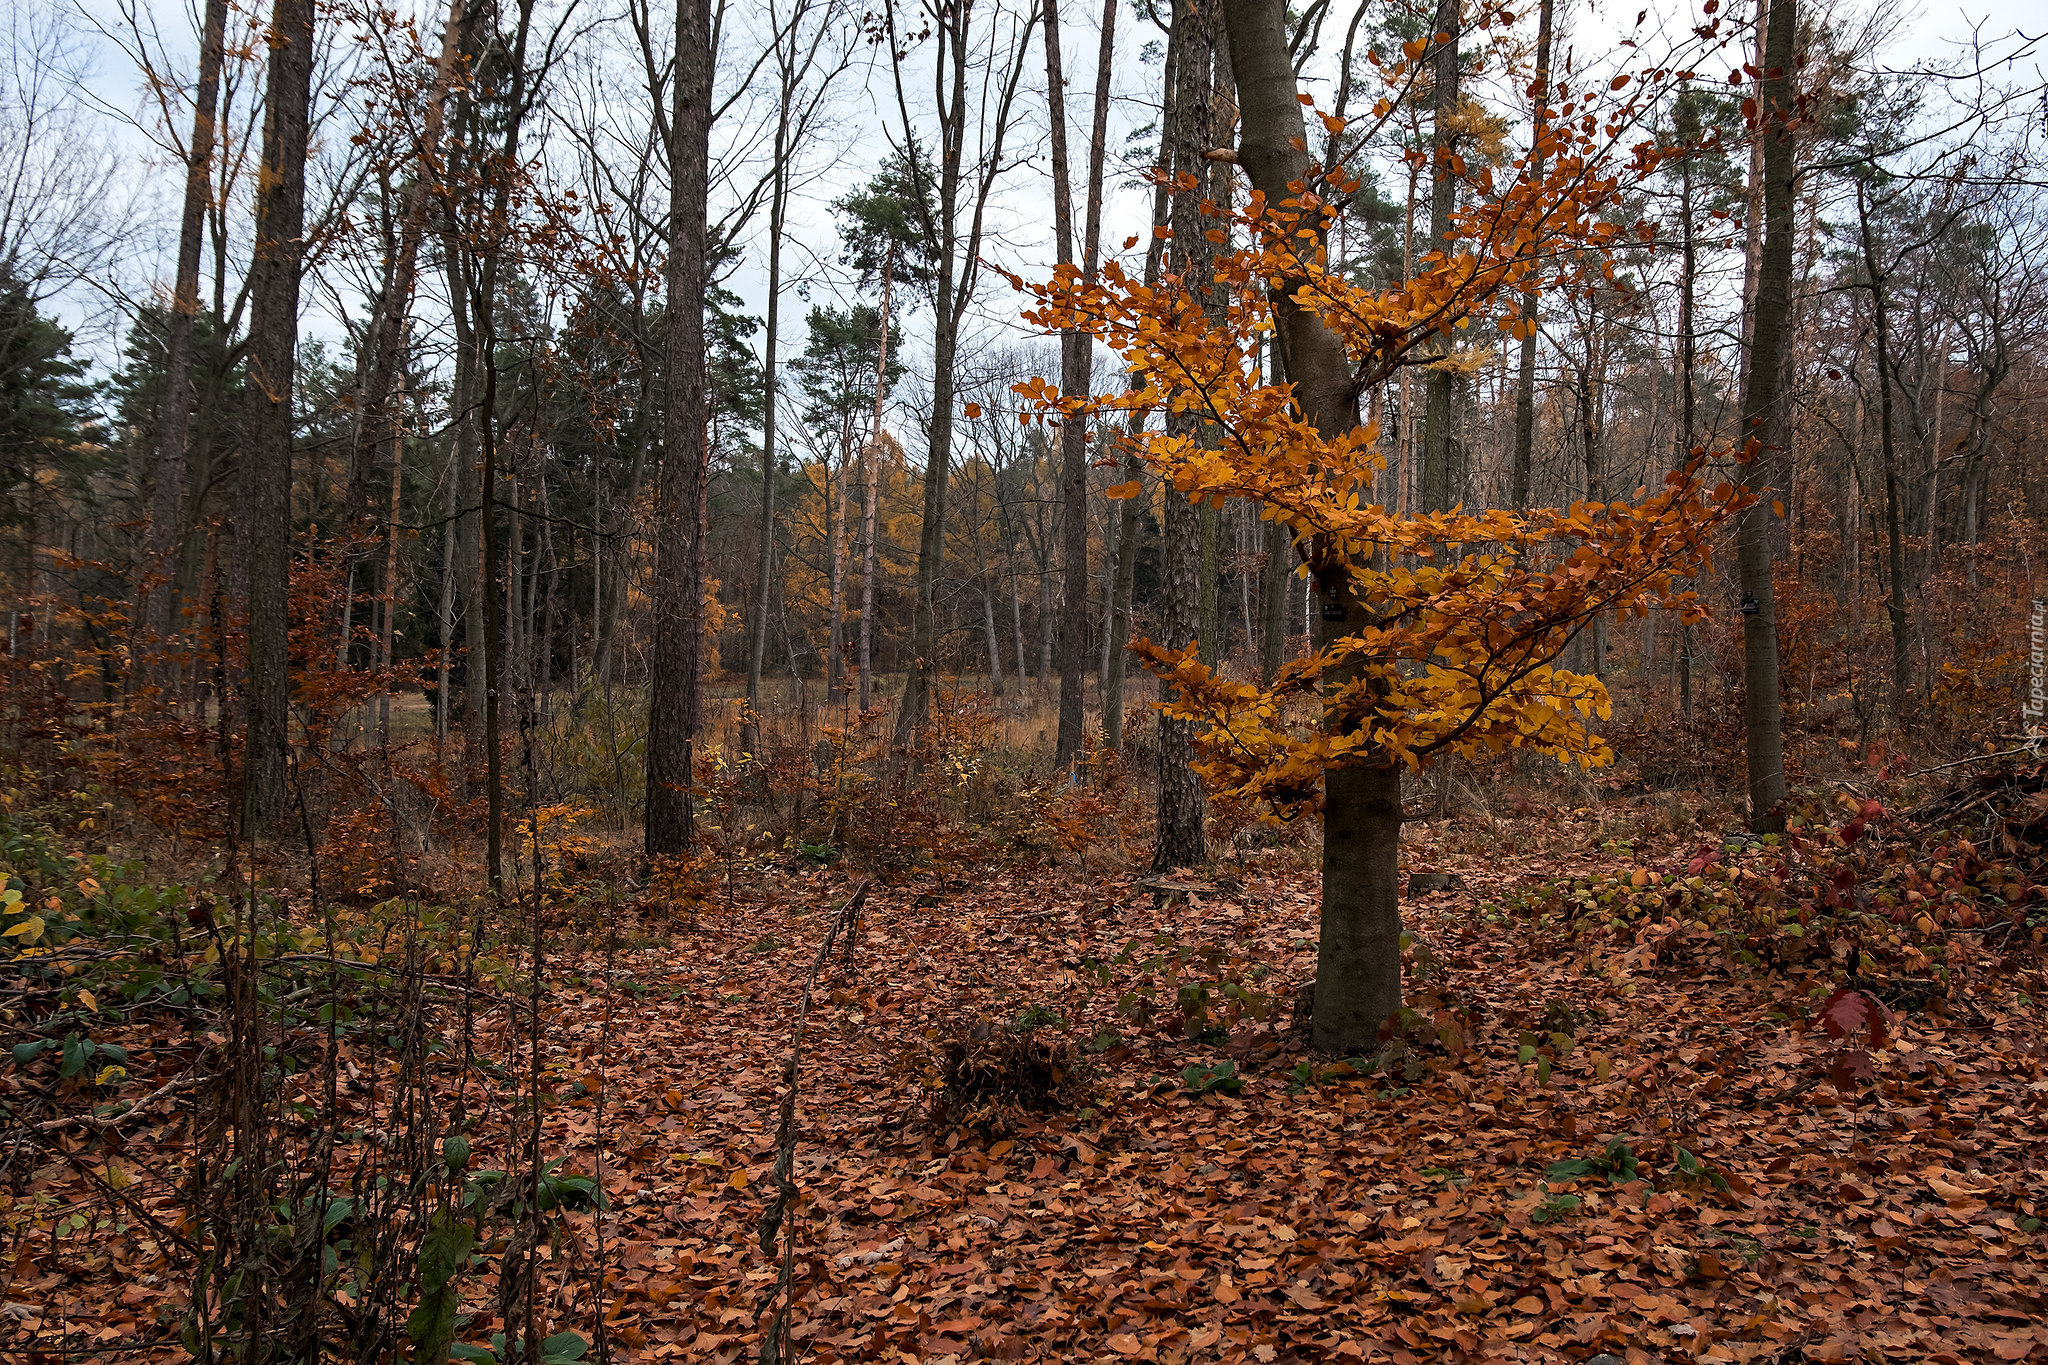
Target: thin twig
{"points": [[780, 1215]]}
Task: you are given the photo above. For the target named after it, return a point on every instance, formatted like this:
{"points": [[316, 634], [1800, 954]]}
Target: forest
{"points": [[943, 680]]}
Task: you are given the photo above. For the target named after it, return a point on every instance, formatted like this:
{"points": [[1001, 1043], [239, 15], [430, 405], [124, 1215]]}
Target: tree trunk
{"points": [[1129, 523], [679, 596], [167, 495], [1076, 350], [1180, 840], [1763, 426], [764, 557], [1887, 437], [1687, 425], [835, 575], [387, 629], [267, 469], [869, 559], [1443, 463], [1525, 377], [1358, 965], [1590, 399]]}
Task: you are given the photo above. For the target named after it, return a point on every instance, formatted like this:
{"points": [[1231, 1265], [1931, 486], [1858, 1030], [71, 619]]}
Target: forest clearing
{"points": [[1201, 681]]}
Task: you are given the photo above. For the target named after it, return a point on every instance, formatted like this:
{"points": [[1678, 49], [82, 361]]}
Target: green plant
{"points": [[1037, 1016], [1206, 1080], [1553, 1208], [563, 1348], [1617, 1163]]}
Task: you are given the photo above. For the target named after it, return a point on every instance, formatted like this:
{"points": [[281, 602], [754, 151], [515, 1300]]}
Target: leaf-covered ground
{"points": [[1389, 1218], [1723, 1200]]}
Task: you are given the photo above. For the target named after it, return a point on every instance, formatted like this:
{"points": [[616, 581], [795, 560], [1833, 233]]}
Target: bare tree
{"points": [[273, 347], [964, 182]]}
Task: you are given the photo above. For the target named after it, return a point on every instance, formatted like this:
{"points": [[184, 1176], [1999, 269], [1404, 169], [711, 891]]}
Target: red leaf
{"points": [[1848, 1010], [1851, 1066]]}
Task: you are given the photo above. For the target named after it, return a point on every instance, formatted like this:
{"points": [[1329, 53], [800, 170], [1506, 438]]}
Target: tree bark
{"points": [[1129, 523], [764, 557], [679, 596], [1358, 964], [377, 418], [1182, 809], [1887, 437], [1687, 426], [1076, 352], [1443, 464], [167, 494], [1762, 427], [958, 262], [869, 557], [274, 276], [1525, 377]]}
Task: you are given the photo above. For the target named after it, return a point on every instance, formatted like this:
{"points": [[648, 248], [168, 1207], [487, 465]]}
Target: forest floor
{"points": [[1001, 1157]]}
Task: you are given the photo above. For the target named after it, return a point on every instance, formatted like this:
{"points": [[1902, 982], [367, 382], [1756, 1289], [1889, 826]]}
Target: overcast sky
{"points": [[853, 139]]}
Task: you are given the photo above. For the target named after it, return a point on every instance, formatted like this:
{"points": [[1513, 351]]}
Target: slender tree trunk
{"points": [[764, 557], [387, 632], [835, 576], [679, 595], [1180, 840], [1688, 362], [1763, 425], [1525, 377], [377, 414], [444, 613], [1279, 577], [1443, 460], [1129, 524], [995, 640], [167, 495], [1590, 400], [869, 558], [1076, 348], [1358, 971], [958, 260], [1887, 436], [267, 467]]}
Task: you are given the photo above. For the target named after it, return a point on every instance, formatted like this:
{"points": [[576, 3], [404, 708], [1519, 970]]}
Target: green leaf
{"points": [[1568, 1170], [338, 1212], [77, 1051], [1205, 1079], [563, 1348], [442, 1256]]}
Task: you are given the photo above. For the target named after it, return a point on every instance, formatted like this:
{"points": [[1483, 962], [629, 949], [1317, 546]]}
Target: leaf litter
{"points": [[1614, 1142]]}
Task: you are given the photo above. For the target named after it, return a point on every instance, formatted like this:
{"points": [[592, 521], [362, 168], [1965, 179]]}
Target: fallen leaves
{"points": [[1348, 1217]]}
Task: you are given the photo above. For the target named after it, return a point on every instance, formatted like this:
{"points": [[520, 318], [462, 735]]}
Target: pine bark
{"points": [[274, 277], [1182, 809], [673, 701]]}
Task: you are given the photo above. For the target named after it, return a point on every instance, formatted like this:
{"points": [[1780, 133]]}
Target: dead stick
{"points": [[780, 1215]]}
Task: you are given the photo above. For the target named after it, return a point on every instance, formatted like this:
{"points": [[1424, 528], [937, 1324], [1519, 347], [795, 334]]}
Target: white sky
{"points": [[1020, 236]]}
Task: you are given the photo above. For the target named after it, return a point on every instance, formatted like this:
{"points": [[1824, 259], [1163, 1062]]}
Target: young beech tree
{"points": [[1440, 630]]}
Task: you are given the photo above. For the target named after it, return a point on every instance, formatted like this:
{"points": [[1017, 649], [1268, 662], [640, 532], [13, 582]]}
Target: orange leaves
{"points": [[1459, 614], [1123, 492]]}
